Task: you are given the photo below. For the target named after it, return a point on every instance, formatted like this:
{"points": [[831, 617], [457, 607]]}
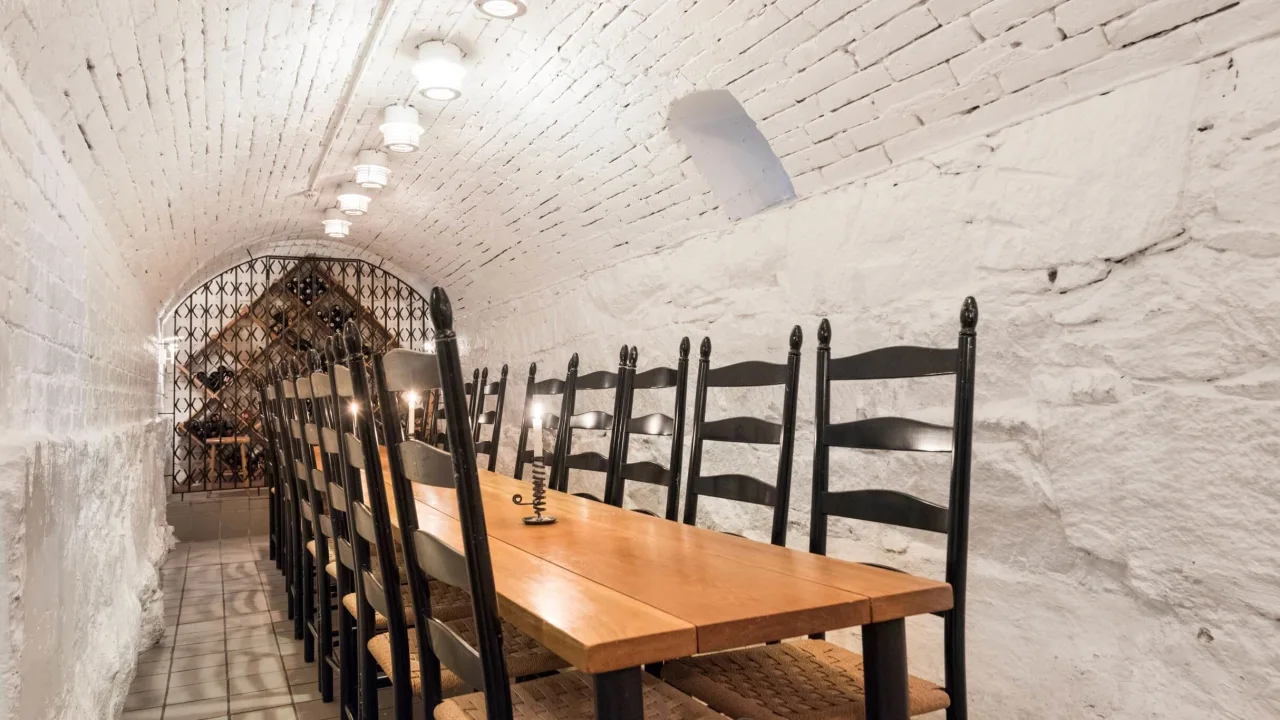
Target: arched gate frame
{"points": [[228, 332]]}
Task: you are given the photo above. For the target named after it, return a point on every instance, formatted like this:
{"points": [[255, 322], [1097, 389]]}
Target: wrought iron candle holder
{"points": [[539, 499]]}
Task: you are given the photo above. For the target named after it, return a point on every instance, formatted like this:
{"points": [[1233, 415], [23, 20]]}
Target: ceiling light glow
{"points": [[371, 169], [353, 199], [401, 131], [502, 9], [336, 223], [439, 70]]}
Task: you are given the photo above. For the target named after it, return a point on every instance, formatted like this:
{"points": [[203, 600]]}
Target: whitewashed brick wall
{"points": [[81, 492], [1124, 252]]}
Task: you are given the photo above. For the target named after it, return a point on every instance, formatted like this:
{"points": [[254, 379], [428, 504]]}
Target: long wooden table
{"points": [[610, 590]]}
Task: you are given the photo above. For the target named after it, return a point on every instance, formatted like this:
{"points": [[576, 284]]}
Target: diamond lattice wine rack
{"points": [[235, 327]]}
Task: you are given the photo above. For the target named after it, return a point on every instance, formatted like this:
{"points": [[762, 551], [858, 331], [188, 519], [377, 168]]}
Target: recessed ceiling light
{"points": [[401, 131], [371, 169], [502, 9], [439, 70], [336, 223], [353, 199]]}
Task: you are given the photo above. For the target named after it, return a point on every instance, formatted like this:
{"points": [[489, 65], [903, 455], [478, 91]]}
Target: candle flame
{"points": [[354, 408]]}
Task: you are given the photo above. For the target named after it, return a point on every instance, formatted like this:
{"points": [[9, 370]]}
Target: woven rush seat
{"points": [[332, 570], [311, 547], [447, 603], [803, 680], [524, 657], [571, 695]]}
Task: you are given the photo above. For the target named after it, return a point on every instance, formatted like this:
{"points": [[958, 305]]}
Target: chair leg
{"points": [[324, 629], [299, 594], [348, 673], [308, 606], [273, 527]]}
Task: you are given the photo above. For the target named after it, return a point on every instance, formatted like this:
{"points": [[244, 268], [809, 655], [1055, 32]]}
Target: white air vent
{"points": [[730, 152]]}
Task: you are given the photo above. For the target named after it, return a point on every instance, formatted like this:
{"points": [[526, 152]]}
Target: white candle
{"points": [[411, 398], [537, 434]]}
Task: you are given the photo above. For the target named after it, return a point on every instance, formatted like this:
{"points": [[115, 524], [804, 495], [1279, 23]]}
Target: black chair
{"points": [[653, 425], [313, 392], [751, 430], [286, 514], [398, 373], [479, 660], [776, 669], [439, 434], [300, 514], [335, 421], [269, 478], [588, 420], [490, 418], [533, 390]]}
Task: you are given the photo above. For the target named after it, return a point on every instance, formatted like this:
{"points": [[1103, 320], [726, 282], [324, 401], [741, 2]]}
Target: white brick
{"points": [[878, 12], [1158, 17], [1076, 16], [948, 10], [1069, 54], [828, 40], [925, 87], [877, 131], [965, 97], [1000, 52], [997, 17], [848, 116], [893, 35], [1136, 61], [856, 166], [793, 117], [933, 49], [1244, 23], [854, 87], [814, 156], [825, 73]]}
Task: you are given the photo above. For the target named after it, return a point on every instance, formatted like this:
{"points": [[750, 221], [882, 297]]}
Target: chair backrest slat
{"points": [[591, 420], [648, 472], [590, 461], [426, 465], [362, 518], [903, 361], [889, 507], [456, 654], [890, 433], [742, 488], [751, 430], [752, 373], [654, 425]]}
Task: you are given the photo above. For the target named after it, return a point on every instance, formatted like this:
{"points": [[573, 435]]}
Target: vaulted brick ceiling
{"points": [[197, 125]]}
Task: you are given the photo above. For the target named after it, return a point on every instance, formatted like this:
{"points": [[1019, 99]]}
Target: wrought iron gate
{"points": [[231, 330]]}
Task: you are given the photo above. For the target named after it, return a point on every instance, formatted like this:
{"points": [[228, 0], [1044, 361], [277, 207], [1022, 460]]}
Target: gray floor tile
{"points": [[201, 691], [206, 709]]}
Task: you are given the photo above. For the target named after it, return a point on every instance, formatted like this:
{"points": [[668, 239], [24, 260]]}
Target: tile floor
{"points": [[228, 649]]}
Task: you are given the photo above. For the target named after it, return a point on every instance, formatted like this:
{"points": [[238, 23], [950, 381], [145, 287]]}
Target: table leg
{"points": [[620, 695], [884, 667]]}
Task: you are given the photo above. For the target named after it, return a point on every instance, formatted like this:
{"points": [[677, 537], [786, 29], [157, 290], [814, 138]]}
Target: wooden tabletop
{"points": [[607, 588]]}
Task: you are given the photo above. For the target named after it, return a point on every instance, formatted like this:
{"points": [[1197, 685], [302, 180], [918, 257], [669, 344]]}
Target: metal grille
{"points": [[231, 330]]}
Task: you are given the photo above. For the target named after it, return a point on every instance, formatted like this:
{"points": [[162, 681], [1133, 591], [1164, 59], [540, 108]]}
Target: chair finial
{"points": [[797, 336], [705, 350], [824, 334], [969, 315], [533, 368], [351, 338], [684, 348], [573, 362], [622, 355], [635, 355], [441, 312], [504, 370], [313, 361]]}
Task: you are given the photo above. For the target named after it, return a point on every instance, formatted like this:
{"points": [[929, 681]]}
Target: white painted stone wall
{"points": [[81, 491], [1125, 252]]}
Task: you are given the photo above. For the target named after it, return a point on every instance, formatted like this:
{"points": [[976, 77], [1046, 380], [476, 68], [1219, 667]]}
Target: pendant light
{"points": [[502, 9], [439, 70], [353, 199], [371, 169], [401, 131], [336, 223]]}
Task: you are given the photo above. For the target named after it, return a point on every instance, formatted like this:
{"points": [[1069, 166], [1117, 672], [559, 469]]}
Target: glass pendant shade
{"points": [[371, 169], [336, 223], [502, 9], [353, 199], [401, 131], [439, 70]]}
